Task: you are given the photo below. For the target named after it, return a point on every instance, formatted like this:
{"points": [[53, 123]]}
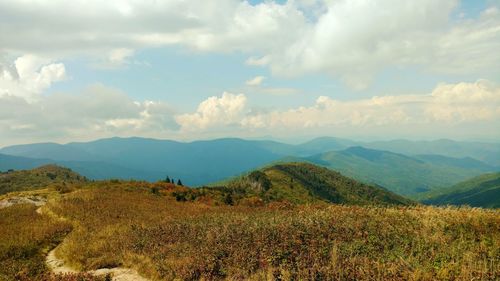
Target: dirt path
{"points": [[118, 273], [35, 200], [58, 265]]}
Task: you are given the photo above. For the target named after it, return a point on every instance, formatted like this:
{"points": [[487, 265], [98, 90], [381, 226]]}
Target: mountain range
{"points": [[404, 167]]}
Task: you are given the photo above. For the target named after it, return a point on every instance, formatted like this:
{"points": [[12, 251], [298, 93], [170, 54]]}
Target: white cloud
{"points": [[97, 112], [258, 61], [93, 25], [226, 110], [256, 81], [119, 56], [256, 87], [460, 104], [465, 102], [356, 39], [448, 110], [352, 40], [29, 76]]}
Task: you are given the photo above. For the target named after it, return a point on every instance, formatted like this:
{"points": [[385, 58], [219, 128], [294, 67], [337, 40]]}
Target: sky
{"points": [[286, 70]]}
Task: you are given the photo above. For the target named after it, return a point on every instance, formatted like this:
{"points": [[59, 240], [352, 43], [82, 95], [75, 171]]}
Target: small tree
{"points": [[167, 179], [228, 199], [172, 181], [52, 176], [155, 190], [180, 196], [179, 182]]}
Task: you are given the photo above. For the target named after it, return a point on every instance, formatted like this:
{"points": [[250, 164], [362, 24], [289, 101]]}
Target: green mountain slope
{"points": [[303, 183], [41, 177], [322, 144], [486, 152], [397, 172], [480, 191], [465, 162]]}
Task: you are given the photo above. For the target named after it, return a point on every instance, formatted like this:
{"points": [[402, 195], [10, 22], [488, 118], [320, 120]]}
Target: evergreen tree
{"points": [[172, 181], [179, 182], [167, 179], [228, 199]]}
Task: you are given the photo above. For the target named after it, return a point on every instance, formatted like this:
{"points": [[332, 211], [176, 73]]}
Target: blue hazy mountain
{"points": [[8, 162], [196, 162], [488, 153], [51, 151], [465, 162], [90, 169], [202, 162]]}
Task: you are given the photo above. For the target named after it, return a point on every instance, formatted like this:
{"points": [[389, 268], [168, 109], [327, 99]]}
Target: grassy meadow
{"points": [[149, 227], [25, 238], [142, 226]]}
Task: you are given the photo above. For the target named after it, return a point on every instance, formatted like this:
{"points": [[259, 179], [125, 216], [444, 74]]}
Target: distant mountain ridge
{"points": [[202, 162], [8, 162], [465, 162], [488, 153], [197, 162], [53, 151]]}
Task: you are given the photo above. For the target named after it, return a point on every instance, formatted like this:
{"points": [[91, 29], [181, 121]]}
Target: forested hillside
{"points": [[481, 191]]}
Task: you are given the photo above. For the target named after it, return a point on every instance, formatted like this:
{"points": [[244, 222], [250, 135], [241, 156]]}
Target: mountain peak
{"points": [[299, 182]]}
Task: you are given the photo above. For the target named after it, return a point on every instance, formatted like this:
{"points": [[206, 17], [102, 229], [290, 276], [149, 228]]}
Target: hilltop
{"points": [[480, 191], [299, 183], [41, 177]]}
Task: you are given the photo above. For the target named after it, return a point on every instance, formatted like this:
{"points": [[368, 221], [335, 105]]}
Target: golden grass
{"points": [[125, 224], [25, 238], [24, 235]]}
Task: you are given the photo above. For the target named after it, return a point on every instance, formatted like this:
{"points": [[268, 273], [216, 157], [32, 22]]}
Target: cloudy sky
{"points": [[290, 70]]}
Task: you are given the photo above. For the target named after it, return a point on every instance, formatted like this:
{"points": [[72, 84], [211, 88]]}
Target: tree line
{"points": [[172, 181]]}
